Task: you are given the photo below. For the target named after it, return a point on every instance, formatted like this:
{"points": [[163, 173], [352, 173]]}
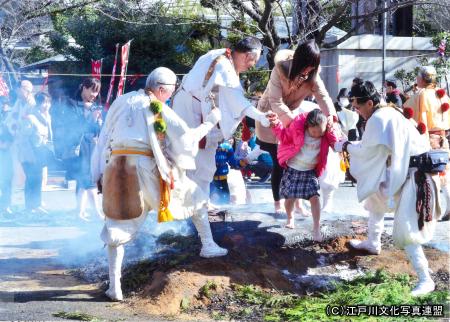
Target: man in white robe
{"points": [[386, 182], [214, 80], [130, 146]]}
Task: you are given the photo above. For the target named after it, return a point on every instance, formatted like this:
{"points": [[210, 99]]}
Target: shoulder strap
{"points": [[211, 69], [226, 54]]}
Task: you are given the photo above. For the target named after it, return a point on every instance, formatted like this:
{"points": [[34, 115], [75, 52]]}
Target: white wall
{"points": [[361, 56]]}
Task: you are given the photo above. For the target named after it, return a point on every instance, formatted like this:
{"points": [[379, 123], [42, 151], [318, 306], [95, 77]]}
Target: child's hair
{"points": [[315, 118]]}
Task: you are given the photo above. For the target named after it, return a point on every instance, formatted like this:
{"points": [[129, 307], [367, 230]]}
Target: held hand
{"points": [[338, 145], [272, 118]]}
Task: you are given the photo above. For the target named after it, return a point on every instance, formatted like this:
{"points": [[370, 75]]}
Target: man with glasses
{"points": [[142, 154], [214, 82], [387, 166]]}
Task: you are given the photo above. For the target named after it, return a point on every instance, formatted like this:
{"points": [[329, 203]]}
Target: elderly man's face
{"points": [[420, 82], [26, 91], [164, 93]]}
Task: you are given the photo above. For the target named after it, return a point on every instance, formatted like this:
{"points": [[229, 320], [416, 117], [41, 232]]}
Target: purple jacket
{"points": [[292, 139]]}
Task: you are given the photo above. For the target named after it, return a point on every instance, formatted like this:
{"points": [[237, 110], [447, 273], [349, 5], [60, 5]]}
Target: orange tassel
{"points": [[164, 213]]}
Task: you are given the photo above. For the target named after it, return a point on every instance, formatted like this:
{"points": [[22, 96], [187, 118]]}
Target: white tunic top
{"points": [[306, 158], [388, 134], [129, 125], [224, 81]]}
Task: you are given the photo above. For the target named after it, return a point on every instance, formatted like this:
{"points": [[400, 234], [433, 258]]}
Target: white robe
{"points": [[389, 138], [192, 105], [129, 125]]}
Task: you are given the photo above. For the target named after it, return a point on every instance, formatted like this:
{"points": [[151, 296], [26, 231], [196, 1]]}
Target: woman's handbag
{"points": [[433, 161]]}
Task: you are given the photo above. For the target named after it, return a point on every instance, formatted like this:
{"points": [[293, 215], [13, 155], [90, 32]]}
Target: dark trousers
{"points": [[261, 169], [33, 184], [6, 176], [277, 170]]}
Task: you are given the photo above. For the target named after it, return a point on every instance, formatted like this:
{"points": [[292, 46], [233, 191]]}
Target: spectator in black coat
{"points": [[392, 93]]}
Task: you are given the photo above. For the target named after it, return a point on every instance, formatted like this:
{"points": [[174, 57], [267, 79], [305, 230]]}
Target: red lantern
{"points": [[440, 92], [422, 128], [408, 112], [445, 107]]}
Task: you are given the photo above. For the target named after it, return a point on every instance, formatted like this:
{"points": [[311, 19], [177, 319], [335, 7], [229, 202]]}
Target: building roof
{"points": [[44, 63]]}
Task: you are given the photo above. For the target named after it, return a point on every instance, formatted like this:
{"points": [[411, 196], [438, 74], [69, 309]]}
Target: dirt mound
{"points": [[170, 292], [185, 282], [340, 244]]}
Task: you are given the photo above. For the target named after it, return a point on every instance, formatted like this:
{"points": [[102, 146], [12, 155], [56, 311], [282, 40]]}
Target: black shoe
{"points": [[265, 178]]}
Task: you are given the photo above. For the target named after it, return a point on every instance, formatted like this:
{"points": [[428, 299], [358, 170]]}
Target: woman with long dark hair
{"points": [[83, 119], [294, 78]]}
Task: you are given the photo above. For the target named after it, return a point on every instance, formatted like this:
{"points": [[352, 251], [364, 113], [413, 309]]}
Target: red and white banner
{"points": [[96, 68], [123, 71], [113, 79], [4, 90]]}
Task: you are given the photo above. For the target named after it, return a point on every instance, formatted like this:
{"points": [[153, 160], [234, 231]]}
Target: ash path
{"points": [[37, 252]]}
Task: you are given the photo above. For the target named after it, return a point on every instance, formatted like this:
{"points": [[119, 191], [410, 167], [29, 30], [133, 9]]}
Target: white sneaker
{"points": [[115, 295], [365, 245], [423, 288], [212, 250]]}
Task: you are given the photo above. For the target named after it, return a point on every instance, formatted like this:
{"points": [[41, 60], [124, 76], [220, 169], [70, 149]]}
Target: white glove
{"points": [[264, 121], [259, 116], [213, 138], [214, 116], [338, 145]]}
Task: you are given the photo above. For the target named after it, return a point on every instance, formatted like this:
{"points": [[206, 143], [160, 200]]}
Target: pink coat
{"points": [[292, 139]]}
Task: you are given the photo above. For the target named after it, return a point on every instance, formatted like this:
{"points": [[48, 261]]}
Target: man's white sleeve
{"points": [[234, 106]]}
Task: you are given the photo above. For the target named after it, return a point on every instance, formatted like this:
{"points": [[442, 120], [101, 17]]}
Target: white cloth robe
{"points": [[192, 105], [387, 188], [129, 125]]}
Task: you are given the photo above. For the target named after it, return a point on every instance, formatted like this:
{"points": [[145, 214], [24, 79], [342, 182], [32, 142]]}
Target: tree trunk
{"points": [[9, 67]]}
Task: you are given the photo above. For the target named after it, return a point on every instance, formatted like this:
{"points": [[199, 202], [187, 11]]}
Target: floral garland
{"points": [[160, 125]]}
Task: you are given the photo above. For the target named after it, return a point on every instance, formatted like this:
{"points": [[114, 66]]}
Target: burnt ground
{"points": [[35, 284], [175, 286]]}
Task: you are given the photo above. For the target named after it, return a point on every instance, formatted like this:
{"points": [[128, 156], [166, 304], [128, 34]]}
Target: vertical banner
{"points": [[123, 71], [96, 68], [338, 75], [113, 78], [4, 91]]}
